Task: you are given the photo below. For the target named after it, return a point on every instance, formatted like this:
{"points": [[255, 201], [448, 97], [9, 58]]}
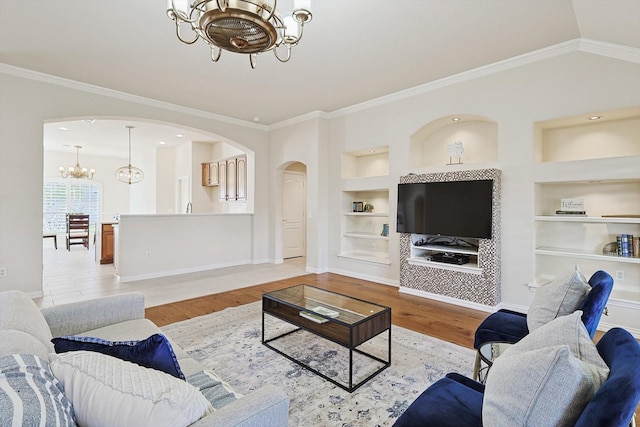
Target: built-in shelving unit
{"points": [[421, 255], [564, 240], [365, 206], [363, 236], [567, 149]]}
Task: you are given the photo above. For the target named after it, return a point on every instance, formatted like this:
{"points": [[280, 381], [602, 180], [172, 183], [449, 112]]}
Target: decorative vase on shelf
{"points": [[368, 207]]}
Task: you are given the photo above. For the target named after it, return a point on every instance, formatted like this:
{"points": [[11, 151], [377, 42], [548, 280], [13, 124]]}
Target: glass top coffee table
{"points": [[347, 321]]}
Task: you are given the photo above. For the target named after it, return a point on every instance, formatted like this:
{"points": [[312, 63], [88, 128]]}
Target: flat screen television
{"points": [[452, 208]]}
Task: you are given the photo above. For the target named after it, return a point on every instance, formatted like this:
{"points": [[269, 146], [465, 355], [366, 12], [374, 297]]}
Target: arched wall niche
{"points": [[478, 135]]}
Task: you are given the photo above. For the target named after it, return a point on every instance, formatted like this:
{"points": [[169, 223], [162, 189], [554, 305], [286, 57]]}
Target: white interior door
{"points": [[293, 229]]}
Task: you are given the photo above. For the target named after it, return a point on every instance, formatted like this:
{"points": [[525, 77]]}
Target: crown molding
{"points": [[615, 51], [300, 119], [98, 90], [610, 50]]}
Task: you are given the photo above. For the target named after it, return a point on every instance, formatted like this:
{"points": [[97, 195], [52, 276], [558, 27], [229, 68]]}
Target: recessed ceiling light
{"points": [[256, 119], [89, 120], [456, 119], [63, 128], [180, 135], [595, 117], [372, 151], [161, 142]]}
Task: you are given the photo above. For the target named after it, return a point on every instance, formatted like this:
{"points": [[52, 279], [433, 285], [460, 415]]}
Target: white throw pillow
{"points": [[546, 379], [558, 297], [106, 391]]}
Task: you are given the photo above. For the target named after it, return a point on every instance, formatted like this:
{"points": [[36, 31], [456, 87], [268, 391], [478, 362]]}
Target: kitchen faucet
{"points": [[189, 207]]}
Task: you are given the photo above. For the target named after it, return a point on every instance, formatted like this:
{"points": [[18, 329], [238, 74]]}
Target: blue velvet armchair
{"points": [[457, 401], [510, 326]]}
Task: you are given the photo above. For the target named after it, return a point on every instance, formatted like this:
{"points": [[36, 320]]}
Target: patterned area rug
{"points": [[230, 343]]}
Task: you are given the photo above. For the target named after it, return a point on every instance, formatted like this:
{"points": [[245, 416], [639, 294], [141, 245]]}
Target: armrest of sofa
{"points": [[266, 407], [78, 317]]}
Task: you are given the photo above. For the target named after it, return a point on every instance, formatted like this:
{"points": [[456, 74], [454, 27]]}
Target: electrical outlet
{"points": [[3, 272], [148, 255], [619, 274]]}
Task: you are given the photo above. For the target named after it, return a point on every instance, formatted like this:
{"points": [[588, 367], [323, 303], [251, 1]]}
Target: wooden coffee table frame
{"points": [[345, 330]]}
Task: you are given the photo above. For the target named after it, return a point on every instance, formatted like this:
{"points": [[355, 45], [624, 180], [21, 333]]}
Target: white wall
{"points": [[166, 181], [162, 245], [301, 142]]}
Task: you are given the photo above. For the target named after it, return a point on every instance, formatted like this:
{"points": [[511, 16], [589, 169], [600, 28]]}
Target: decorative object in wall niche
{"points": [[571, 207], [368, 207], [358, 206], [610, 249], [455, 150], [385, 230]]}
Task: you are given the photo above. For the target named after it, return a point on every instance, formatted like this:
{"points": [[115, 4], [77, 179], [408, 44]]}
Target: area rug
{"points": [[230, 343]]}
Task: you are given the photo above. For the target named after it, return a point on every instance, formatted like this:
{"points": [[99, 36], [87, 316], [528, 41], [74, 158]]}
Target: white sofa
{"points": [[26, 329]]}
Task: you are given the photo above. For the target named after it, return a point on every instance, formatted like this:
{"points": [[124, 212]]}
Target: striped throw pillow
{"points": [[30, 395]]}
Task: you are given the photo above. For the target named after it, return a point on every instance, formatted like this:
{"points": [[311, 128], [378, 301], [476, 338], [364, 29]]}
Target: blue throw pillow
{"points": [[155, 352]]}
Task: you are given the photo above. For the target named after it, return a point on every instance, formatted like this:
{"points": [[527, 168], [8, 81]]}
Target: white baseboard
{"points": [[35, 294], [375, 279], [155, 275], [448, 300]]}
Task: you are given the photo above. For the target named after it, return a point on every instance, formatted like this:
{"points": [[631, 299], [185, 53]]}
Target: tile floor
{"points": [[75, 275]]}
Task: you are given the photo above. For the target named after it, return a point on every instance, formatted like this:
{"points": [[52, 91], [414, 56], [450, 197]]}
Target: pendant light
{"points": [[129, 174]]}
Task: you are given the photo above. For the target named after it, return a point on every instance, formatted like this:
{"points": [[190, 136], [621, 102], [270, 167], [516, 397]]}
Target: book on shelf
{"points": [[626, 245], [636, 247], [572, 213]]}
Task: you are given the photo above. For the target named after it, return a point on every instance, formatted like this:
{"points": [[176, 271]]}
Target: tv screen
{"points": [[452, 208]]}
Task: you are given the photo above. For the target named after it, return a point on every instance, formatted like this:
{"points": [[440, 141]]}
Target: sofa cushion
{"points": [[566, 330], [19, 312], [546, 379], [154, 352], [218, 392], [30, 393], [96, 384], [16, 342], [558, 297]]}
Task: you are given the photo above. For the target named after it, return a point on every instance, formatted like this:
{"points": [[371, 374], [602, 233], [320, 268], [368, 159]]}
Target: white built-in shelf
{"points": [[372, 214], [366, 257], [449, 249], [594, 219], [469, 267], [584, 254], [363, 235]]}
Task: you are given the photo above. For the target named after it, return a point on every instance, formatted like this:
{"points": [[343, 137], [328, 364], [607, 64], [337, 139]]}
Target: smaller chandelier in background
{"points": [[76, 171], [241, 26], [129, 174]]}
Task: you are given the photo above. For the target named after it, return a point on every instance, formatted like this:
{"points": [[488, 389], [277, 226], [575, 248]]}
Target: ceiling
{"points": [[353, 51]]}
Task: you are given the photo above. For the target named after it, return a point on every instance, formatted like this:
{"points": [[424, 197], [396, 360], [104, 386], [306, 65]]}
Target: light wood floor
{"points": [[444, 321]]}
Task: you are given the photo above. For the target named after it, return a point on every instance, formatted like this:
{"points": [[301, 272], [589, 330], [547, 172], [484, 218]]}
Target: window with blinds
{"points": [[62, 196]]}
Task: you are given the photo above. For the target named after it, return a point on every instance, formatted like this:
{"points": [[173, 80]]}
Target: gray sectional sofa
{"points": [[26, 329]]}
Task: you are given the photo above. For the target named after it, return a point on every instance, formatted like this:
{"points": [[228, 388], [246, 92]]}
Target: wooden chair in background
{"points": [[77, 230]]}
